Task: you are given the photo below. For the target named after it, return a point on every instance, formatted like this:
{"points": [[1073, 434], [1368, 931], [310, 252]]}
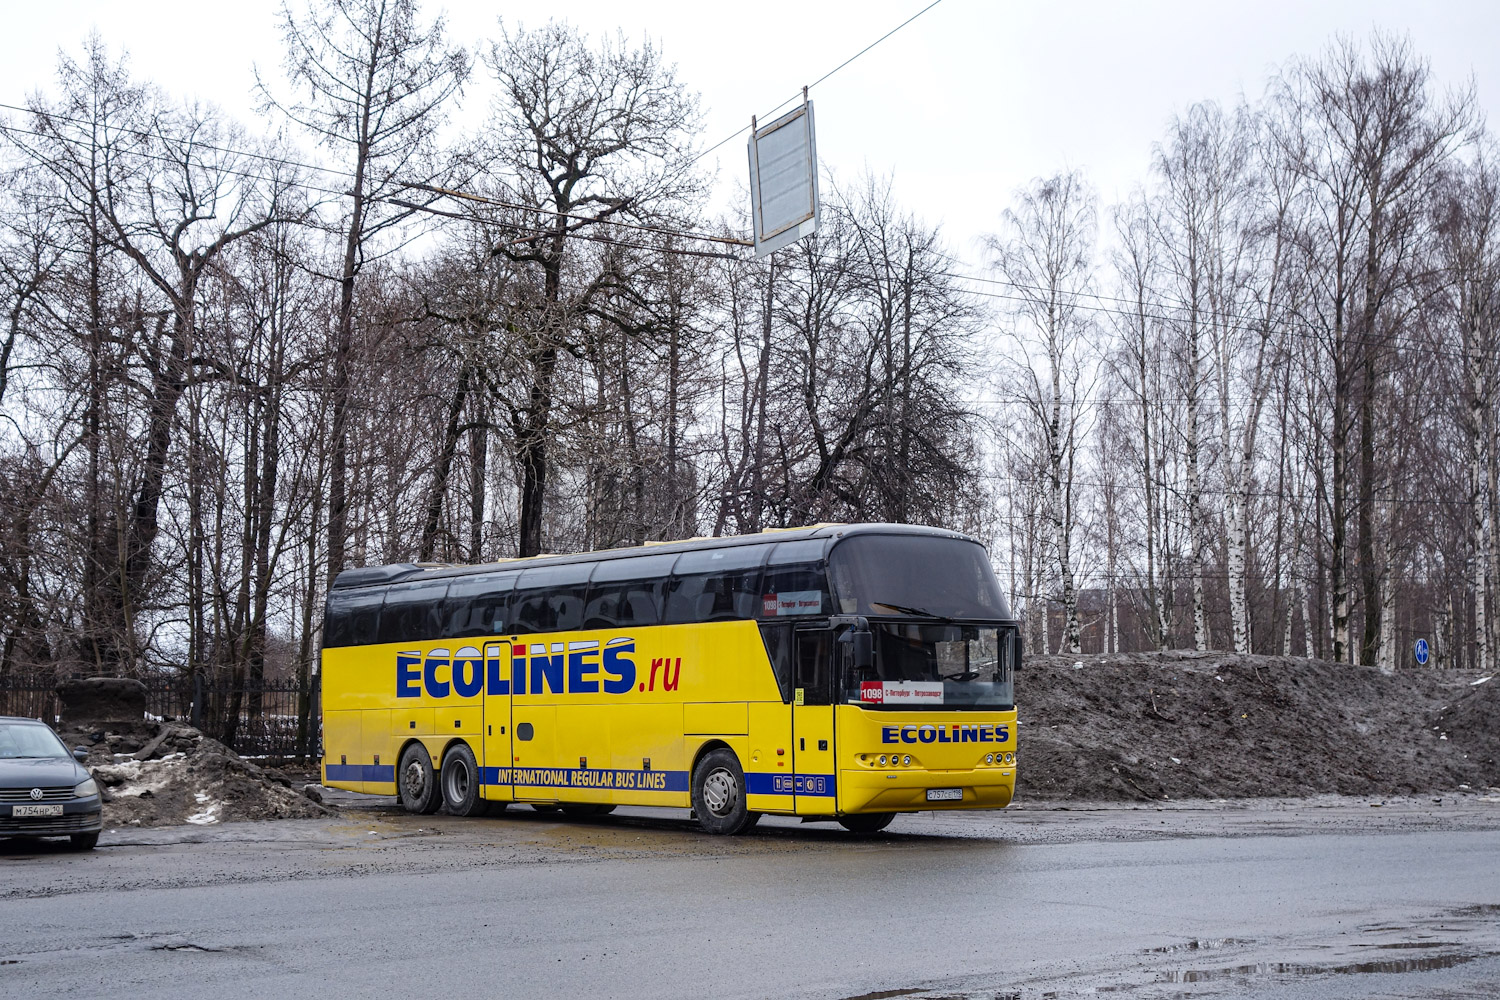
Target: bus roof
{"points": [[367, 576]]}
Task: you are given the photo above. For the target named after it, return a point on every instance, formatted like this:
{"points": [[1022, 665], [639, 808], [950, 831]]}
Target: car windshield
{"points": [[936, 666], [29, 739]]}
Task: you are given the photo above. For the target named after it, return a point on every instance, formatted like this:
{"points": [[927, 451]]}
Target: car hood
{"points": [[34, 772]]}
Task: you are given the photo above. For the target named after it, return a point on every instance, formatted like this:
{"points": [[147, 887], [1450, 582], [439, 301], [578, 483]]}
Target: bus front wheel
{"points": [[461, 782], [416, 783], [866, 822], [719, 794]]}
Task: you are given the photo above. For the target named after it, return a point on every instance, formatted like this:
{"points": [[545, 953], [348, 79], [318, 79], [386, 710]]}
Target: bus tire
{"points": [[866, 822], [417, 782], [461, 782], [719, 794]]}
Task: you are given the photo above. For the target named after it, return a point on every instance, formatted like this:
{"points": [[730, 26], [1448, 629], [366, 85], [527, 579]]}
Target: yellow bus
{"points": [[838, 672]]}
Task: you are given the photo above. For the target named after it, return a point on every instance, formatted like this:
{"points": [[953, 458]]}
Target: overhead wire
{"points": [[745, 128], [157, 134]]}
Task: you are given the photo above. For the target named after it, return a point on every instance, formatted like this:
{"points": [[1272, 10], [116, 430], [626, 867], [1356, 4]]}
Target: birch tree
{"points": [[1045, 251]]}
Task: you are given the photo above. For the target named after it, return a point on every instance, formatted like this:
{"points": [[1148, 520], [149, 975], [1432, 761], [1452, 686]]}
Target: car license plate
{"points": [[36, 810], [945, 795]]}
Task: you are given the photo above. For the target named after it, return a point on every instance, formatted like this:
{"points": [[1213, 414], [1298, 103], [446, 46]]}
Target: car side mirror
{"points": [[80, 754], [864, 651]]}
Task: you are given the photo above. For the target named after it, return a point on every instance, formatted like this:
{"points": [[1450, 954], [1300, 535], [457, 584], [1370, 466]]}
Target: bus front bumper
{"points": [[866, 789]]}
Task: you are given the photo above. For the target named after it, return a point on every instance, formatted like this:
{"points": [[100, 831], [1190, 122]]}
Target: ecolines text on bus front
{"points": [[954, 733]]}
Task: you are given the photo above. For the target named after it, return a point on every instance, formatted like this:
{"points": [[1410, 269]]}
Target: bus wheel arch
{"points": [[461, 780], [417, 780], [718, 791], [708, 747]]}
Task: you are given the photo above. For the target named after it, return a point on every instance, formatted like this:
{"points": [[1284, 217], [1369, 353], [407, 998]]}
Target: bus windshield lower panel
{"points": [[920, 667]]}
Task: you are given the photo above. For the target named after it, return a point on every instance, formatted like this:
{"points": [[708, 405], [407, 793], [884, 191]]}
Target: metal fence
{"points": [[273, 718]]}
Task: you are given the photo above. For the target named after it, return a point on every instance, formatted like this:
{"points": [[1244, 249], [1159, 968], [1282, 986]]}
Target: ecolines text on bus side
{"points": [[580, 667]]}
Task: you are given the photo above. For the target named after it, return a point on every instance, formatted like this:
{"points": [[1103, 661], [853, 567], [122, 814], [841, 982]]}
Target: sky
{"points": [[959, 108]]}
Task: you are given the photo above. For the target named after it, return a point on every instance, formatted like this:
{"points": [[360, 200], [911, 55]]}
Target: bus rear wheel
{"points": [[719, 794], [866, 822], [416, 782], [461, 782]]}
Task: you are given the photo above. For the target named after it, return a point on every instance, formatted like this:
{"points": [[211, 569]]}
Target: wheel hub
{"points": [[720, 792], [458, 782], [414, 780]]}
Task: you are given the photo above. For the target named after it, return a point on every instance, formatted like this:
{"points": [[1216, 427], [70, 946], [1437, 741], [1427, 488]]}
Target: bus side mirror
{"points": [[864, 651]]}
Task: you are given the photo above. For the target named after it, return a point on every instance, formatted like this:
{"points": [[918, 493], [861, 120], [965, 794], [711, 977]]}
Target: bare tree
{"points": [[581, 135], [372, 83], [1045, 252]]}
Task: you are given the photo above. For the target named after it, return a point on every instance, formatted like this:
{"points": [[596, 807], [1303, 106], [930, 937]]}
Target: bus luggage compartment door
{"points": [[495, 764], [535, 769], [814, 767]]}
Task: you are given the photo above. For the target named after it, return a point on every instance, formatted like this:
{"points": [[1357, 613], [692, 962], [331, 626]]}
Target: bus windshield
{"points": [[936, 666], [915, 575]]}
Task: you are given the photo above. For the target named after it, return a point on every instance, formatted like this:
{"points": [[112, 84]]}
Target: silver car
{"points": [[44, 790]]}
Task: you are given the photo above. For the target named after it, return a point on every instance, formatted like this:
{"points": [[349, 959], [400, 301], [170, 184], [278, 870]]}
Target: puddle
{"points": [[1429, 963], [1202, 944]]}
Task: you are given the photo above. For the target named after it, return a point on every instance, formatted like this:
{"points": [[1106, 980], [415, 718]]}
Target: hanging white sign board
{"points": [[784, 180]]}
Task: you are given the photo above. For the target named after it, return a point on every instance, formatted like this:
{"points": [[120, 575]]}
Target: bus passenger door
{"points": [[495, 764], [813, 759]]}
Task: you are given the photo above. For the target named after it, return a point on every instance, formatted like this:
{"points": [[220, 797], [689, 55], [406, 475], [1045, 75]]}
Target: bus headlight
{"points": [[1010, 758], [906, 759], [882, 760], [989, 758]]}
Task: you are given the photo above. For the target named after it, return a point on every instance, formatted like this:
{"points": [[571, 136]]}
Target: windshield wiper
{"points": [[919, 612]]}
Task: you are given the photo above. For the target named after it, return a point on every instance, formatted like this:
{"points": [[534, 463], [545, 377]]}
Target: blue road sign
{"points": [[1422, 652]]}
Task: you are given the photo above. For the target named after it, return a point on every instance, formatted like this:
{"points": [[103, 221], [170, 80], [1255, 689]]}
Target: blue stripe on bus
{"points": [[763, 783], [359, 772], [591, 777]]}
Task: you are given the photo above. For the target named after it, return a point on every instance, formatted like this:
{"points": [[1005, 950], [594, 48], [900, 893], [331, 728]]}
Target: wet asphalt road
{"points": [[1280, 900]]}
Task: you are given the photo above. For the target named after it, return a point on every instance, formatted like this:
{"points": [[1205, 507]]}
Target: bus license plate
{"points": [[36, 810], [945, 795]]}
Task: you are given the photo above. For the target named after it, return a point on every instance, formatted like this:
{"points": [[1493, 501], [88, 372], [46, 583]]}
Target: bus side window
{"points": [[627, 592], [713, 597], [778, 640], [716, 585], [555, 610], [364, 624], [478, 607], [796, 581], [567, 608], [550, 598], [530, 611], [412, 612], [352, 618], [814, 666], [624, 604]]}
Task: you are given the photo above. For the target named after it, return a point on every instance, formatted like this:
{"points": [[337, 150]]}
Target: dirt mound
{"points": [[160, 774], [1472, 721], [1215, 725]]}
